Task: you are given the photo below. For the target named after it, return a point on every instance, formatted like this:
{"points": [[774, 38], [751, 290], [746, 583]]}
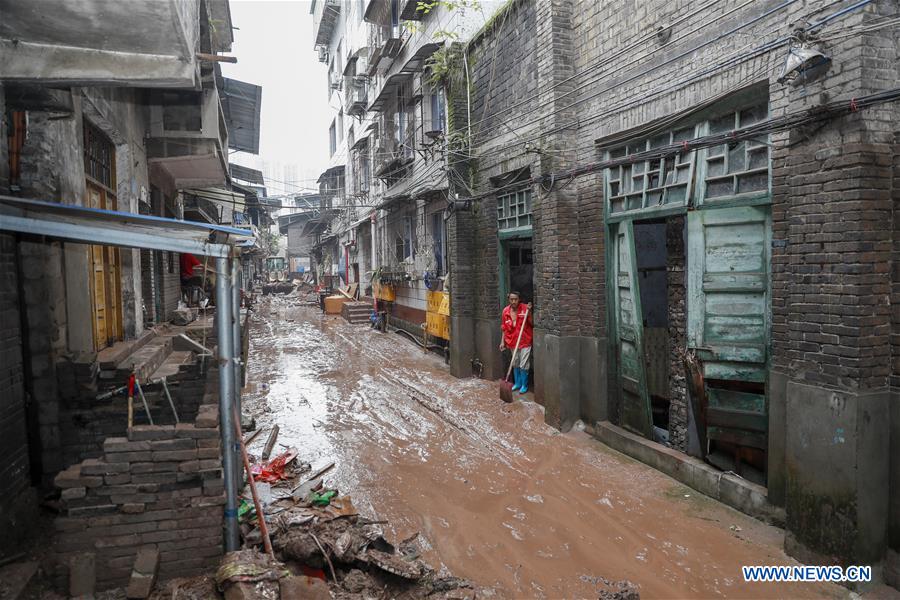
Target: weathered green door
{"points": [[728, 323], [635, 399]]}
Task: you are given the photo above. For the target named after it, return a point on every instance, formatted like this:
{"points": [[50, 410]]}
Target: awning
{"points": [[98, 42], [393, 200], [390, 87], [241, 103], [330, 172], [358, 144], [362, 221], [113, 228], [416, 62], [246, 174]]}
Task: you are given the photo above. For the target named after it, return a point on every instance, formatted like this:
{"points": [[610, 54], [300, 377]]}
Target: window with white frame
{"points": [[404, 242], [439, 242], [437, 109], [332, 139], [514, 210]]}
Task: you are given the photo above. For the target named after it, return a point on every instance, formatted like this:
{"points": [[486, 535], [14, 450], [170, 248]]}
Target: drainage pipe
{"points": [[226, 398], [236, 349]]}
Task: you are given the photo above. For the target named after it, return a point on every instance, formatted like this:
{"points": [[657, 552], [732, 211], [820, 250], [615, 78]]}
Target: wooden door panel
{"points": [[728, 317], [635, 397]]}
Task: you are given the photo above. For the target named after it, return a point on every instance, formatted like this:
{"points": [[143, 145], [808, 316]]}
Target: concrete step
{"points": [[145, 361], [109, 358], [356, 313], [172, 365]]}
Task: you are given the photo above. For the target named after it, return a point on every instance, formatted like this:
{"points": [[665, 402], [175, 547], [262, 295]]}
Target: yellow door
{"points": [[105, 280]]}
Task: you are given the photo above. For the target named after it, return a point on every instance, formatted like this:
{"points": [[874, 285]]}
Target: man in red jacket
{"points": [[512, 323]]}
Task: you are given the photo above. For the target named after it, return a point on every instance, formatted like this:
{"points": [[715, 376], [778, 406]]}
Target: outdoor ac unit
{"points": [[335, 81], [323, 54]]}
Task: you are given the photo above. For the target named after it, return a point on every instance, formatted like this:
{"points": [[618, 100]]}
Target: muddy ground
{"points": [[499, 497]]}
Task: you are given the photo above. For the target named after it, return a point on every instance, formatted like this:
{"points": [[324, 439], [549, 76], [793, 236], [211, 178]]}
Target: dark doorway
{"points": [[651, 255], [520, 268]]}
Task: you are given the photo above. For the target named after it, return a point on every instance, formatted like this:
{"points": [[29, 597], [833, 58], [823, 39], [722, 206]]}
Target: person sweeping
{"points": [[517, 324]]}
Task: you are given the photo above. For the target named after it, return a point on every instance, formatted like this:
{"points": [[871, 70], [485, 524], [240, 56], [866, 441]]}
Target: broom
{"points": [[505, 384]]}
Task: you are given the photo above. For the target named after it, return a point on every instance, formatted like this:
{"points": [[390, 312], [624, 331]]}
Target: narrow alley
{"points": [[500, 497]]}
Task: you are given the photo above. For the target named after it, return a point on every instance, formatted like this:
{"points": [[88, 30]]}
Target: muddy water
{"points": [[498, 496]]}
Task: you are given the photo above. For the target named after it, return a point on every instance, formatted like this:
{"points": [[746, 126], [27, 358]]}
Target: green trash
{"points": [[323, 499], [246, 509]]}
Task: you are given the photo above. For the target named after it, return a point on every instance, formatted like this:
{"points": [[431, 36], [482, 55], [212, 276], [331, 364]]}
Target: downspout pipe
{"points": [[236, 351], [225, 333]]}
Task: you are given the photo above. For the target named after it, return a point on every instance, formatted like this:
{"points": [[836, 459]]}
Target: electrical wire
{"points": [[791, 121], [764, 48]]}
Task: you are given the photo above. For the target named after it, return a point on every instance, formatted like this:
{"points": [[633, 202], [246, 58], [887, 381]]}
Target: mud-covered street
{"points": [[498, 497]]}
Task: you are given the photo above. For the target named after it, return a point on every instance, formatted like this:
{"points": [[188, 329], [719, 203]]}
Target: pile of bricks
{"points": [[85, 422], [160, 487]]}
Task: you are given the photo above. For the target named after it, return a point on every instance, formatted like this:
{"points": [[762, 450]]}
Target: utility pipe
{"points": [[236, 347], [226, 399]]}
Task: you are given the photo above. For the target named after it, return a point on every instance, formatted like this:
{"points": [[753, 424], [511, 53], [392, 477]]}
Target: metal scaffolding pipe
{"points": [[236, 349], [225, 333]]}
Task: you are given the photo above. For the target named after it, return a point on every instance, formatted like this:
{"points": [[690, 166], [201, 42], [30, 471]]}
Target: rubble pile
{"points": [[323, 548]]}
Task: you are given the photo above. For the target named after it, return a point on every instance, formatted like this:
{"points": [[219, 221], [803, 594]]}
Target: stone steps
{"points": [[142, 363], [172, 365], [356, 313], [109, 358]]}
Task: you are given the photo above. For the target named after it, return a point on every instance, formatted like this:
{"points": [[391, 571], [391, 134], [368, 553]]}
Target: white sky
{"points": [[274, 47]]}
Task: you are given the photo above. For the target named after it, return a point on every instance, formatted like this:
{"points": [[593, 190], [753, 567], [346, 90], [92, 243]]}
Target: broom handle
{"points": [[512, 361]]}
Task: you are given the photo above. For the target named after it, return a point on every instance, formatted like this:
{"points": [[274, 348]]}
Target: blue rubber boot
{"points": [[523, 387], [516, 379]]}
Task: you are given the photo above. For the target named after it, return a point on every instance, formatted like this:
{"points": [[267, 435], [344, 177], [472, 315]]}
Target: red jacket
{"points": [[511, 332]]}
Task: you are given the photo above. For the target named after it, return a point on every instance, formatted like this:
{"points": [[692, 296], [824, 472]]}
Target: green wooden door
{"points": [[635, 399], [728, 323]]}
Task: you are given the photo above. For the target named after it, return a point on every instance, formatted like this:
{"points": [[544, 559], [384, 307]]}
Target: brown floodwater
{"points": [[497, 496]]}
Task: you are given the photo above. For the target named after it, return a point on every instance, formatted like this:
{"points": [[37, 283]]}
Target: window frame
{"points": [[696, 190], [527, 200]]}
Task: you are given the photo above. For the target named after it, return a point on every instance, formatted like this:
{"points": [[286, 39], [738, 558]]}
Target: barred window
{"points": [[99, 156], [514, 210]]}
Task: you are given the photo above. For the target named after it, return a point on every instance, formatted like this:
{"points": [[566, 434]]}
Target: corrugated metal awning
{"points": [[114, 228], [241, 103], [390, 86], [246, 174]]}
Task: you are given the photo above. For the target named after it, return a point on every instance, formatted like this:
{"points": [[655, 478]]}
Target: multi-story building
{"points": [[698, 197], [126, 113], [387, 179]]}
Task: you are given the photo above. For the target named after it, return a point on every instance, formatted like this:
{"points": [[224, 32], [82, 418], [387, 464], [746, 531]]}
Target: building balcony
{"points": [[188, 137], [357, 99], [326, 14], [141, 44]]}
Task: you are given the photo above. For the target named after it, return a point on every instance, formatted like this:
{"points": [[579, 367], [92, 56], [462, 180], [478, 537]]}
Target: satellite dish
{"points": [[803, 64]]}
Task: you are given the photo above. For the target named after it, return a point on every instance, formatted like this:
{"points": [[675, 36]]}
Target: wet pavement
{"points": [[498, 496]]}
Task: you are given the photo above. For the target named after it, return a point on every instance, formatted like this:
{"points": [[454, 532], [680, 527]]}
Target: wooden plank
{"points": [[739, 437], [746, 353], [736, 419]]}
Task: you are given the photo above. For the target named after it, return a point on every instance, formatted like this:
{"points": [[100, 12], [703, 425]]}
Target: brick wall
{"points": [[677, 318], [160, 486], [86, 422]]}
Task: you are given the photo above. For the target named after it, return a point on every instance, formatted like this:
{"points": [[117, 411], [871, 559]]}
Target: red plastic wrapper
{"points": [[273, 471]]}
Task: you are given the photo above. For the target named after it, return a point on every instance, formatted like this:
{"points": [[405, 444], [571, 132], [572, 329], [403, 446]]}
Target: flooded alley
{"points": [[497, 496]]}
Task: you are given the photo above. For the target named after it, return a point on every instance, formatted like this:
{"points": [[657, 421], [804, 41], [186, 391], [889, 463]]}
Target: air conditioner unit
{"points": [[323, 54], [335, 81]]}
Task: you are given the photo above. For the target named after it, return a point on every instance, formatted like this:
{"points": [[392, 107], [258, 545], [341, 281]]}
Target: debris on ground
{"points": [[326, 548]]}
